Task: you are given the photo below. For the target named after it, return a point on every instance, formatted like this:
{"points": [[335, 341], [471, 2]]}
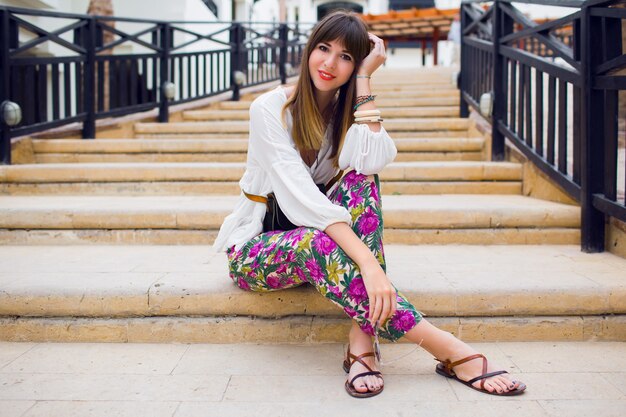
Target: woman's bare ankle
{"points": [[359, 340]]}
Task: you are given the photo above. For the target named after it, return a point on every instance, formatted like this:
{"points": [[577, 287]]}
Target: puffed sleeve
{"points": [[366, 151], [298, 196]]}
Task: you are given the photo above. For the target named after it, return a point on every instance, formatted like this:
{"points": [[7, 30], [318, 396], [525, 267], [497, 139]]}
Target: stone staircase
{"points": [[172, 184]]}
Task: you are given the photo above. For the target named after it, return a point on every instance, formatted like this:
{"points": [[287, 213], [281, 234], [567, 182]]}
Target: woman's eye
{"points": [[347, 57], [323, 48]]}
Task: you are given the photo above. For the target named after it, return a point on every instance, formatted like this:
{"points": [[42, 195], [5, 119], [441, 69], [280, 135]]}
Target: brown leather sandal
{"points": [[445, 368], [347, 364]]}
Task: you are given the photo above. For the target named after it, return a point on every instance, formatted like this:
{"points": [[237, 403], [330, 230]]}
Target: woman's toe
{"points": [[360, 386], [501, 383], [488, 386], [371, 383]]}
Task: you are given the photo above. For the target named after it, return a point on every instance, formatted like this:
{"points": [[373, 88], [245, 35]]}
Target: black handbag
{"points": [[275, 218]]}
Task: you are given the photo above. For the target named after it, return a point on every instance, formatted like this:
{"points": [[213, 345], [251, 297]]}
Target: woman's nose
{"points": [[330, 62]]}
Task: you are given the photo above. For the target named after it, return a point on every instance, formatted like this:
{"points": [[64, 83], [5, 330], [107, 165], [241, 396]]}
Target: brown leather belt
{"points": [[263, 200]]}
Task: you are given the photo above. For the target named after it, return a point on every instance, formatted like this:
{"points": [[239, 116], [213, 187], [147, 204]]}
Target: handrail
{"points": [[177, 62], [45, 13], [554, 95]]}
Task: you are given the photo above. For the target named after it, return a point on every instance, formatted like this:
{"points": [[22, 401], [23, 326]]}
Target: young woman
{"points": [[301, 137]]}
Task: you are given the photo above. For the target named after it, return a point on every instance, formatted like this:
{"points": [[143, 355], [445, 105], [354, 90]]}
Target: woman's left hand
{"points": [[376, 57]]}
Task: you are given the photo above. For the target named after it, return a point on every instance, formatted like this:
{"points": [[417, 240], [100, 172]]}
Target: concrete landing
{"points": [[174, 380]]}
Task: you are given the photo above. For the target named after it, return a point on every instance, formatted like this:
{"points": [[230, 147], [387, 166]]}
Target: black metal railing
{"points": [[86, 72], [554, 88]]}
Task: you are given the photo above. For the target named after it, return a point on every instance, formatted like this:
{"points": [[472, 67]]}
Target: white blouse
{"points": [[275, 165]]}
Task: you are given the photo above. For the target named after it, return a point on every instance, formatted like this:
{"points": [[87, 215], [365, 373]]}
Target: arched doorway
{"points": [[324, 9]]}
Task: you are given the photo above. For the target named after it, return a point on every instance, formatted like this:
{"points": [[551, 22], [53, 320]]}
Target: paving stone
{"points": [[357, 408], [584, 408], [9, 352], [551, 386], [617, 378], [98, 359], [114, 387], [102, 409], [224, 379], [565, 356], [261, 360], [330, 388], [15, 408]]}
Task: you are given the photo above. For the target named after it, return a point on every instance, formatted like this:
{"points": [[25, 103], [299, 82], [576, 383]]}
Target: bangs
{"points": [[350, 32]]}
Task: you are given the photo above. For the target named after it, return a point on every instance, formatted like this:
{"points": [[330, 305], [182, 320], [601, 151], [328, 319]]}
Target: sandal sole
{"points": [[356, 394]]}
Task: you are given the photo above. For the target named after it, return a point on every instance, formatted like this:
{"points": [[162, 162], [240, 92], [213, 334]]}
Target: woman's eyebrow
{"points": [[328, 44]]}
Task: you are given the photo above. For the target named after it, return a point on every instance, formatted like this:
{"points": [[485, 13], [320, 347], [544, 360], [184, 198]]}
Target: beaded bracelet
{"points": [[362, 100]]}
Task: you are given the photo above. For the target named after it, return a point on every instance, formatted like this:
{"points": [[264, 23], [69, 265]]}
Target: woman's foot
{"points": [[362, 343], [445, 347], [471, 366]]}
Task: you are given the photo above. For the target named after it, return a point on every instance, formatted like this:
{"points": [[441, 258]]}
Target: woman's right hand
{"points": [[381, 294], [375, 58]]}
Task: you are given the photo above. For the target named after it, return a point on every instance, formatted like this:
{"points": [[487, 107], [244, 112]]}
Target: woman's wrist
{"points": [[368, 263]]}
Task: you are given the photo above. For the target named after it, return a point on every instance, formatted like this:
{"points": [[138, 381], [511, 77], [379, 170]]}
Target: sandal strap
{"points": [[485, 376], [449, 365], [378, 373], [359, 359]]}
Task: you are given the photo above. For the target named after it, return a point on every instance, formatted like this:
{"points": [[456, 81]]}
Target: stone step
{"points": [[128, 146], [227, 171], [204, 188], [225, 150], [472, 219], [417, 90], [242, 127], [66, 158], [388, 91], [222, 178], [169, 293], [381, 102], [433, 134], [387, 113]]}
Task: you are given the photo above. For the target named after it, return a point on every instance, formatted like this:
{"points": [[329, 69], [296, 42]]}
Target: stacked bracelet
{"points": [[360, 100], [366, 113], [363, 76], [372, 119]]}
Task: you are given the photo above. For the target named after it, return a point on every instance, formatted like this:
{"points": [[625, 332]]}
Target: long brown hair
{"points": [[308, 123]]}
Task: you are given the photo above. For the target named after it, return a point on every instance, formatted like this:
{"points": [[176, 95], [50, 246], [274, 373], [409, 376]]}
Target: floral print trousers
{"points": [[284, 259]]}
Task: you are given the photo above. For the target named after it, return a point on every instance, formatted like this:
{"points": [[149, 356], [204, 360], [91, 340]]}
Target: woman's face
{"points": [[330, 65]]}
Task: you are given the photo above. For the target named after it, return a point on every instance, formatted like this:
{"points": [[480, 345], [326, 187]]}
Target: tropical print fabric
{"points": [[284, 259]]}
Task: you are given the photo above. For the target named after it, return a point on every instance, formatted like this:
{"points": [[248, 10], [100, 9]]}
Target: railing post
{"points": [[592, 127], [502, 26], [463, 107], [5, 133], [283, 34], [236, 47], [164, 76], [89, 79]]}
